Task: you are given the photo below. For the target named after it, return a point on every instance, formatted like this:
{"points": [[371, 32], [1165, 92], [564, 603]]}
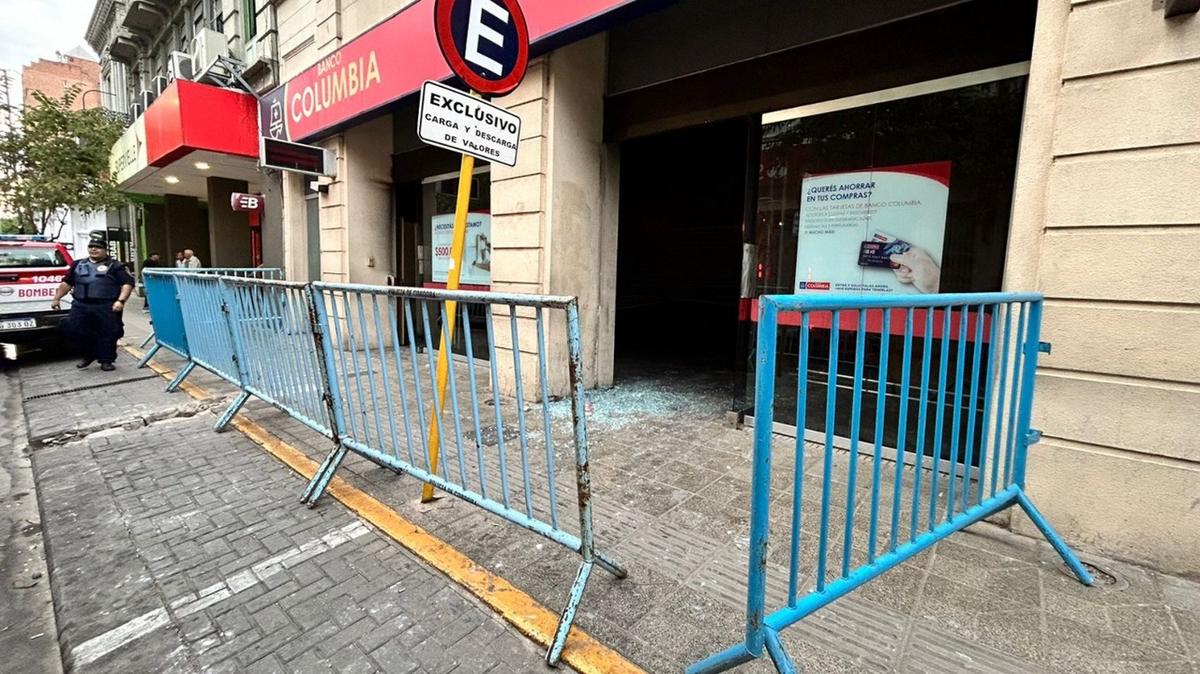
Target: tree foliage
{"points": [[56, 161]]}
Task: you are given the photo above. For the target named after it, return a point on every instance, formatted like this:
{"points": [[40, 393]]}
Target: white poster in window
{"points": [[477, 257], [873, 231]]}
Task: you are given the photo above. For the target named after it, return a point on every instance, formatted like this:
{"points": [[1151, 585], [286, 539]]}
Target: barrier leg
{"points": [[568, 614], [149, 354], [230, 411], [723, 661], [320, 480], [779, 656], [1054, 539], [187, 369], [610, 566], [146, 340]]}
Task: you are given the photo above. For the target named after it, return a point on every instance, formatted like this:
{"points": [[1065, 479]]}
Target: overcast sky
{"points": [[33, 29]]}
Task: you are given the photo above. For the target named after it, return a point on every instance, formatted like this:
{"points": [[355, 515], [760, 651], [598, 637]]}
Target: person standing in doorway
{"points": [[190, 261], [100, 285], [149, 263]]}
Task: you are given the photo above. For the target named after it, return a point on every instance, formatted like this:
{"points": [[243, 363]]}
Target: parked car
{"points": [[30, 270]]}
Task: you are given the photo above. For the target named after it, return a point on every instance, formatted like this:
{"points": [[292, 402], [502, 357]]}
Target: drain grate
{"points": [[87, 387], [1105, 579]]}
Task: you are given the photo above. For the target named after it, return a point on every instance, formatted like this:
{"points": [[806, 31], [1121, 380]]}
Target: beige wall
{"points": [[1106, 214], [554, 215], [311, 29]]}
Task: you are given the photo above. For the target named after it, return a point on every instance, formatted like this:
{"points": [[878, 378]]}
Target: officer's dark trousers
{"points": [[93, 328]]}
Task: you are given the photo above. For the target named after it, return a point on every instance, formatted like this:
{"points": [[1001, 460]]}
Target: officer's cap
{"points": [[97, 243]]}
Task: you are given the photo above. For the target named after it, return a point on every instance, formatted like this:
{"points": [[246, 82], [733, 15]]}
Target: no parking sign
{"points": [[486, 42]]}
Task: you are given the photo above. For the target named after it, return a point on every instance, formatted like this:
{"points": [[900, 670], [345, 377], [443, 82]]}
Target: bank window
{"points": [[438, 197], [909, 194]]}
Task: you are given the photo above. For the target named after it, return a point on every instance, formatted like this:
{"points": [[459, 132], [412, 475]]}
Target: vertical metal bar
{"points": [[549, 429], [319, 322], [491, 339], [855, 432], [798, 464], [940, 418], [1013, 420], [412, 348], [1002, 366], [760, 500], [455, 413], [339, 347], [365, 328], [975, 357], [358, 383], [922, 421], [516, 342], [387, 384], [293, 386], [902, 425], [985, 425], [956, 425], [438, 406], [313, 385], [395, 322], [827, 469], [880, 410], [466, 324]]}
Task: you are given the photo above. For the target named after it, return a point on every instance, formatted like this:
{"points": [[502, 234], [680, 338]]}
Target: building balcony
{"points": [[146, 17], [124, 47]]}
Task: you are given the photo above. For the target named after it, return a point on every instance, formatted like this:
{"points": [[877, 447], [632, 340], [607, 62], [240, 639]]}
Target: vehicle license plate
{"points": [[17, 324]]}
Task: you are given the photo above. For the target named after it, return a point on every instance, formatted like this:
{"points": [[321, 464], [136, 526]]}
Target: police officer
{"points": [[99, 286]]}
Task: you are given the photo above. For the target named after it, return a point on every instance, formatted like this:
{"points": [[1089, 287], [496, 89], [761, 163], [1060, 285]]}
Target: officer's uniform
{"points": [[92, 326]]}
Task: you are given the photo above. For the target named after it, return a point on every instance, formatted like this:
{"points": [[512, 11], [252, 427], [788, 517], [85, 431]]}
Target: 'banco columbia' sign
{"points": [[393, 60]]}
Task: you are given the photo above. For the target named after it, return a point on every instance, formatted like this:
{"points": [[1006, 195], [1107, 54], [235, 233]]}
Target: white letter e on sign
{"points": [[476, 31]]}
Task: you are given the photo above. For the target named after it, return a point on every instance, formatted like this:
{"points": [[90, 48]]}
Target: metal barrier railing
{"points": [[967, 454], [385, 394], [167, 326], [350, 362]]}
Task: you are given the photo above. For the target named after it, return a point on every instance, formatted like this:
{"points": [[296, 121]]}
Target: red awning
{"points": [[189, 116]]}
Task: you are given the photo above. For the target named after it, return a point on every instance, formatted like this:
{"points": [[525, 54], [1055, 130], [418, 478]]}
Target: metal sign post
{"points": [[486, 44]]}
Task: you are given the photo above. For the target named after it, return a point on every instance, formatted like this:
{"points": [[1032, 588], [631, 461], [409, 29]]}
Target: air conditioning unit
{"points": [[208, 46], [181, 66], [146, 98], [136, 111], [159, 85]]}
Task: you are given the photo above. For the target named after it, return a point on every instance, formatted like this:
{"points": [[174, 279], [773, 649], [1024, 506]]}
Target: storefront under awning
{"points": [[194, 146]]}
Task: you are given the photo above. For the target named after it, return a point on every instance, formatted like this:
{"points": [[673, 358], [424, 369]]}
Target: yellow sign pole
{"points": [[459, 243]]}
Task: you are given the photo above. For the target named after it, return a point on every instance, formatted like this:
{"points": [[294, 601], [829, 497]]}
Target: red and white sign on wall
{"points": [[249, 203], [393, 60]]}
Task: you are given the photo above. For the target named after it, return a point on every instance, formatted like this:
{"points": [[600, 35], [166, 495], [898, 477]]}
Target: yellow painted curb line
{"points": [[583, 652]]}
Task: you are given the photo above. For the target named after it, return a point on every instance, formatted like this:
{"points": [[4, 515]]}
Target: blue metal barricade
{"points": [[206, 320], [164, 305], [166, 316], [378, 347], [946, 442], [271, 329]]}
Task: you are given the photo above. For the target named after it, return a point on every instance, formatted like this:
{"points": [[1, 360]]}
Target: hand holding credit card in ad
{"points": [[878, 251]]}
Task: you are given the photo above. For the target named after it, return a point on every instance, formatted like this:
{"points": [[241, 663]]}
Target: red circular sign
{"points": [[486, 42]]}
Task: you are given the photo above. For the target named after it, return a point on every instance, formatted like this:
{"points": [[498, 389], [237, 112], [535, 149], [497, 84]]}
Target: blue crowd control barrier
{"points": [[357, 364], [969, 405], [379, 345], [164, 305]]}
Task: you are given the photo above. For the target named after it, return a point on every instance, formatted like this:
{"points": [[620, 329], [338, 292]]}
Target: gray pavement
{"points": [[28, 635], [172, 548], [671, 485]]}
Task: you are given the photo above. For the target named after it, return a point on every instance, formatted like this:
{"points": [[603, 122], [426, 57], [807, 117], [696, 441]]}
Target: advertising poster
{"points": [[873, 231], [477, 258]]}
